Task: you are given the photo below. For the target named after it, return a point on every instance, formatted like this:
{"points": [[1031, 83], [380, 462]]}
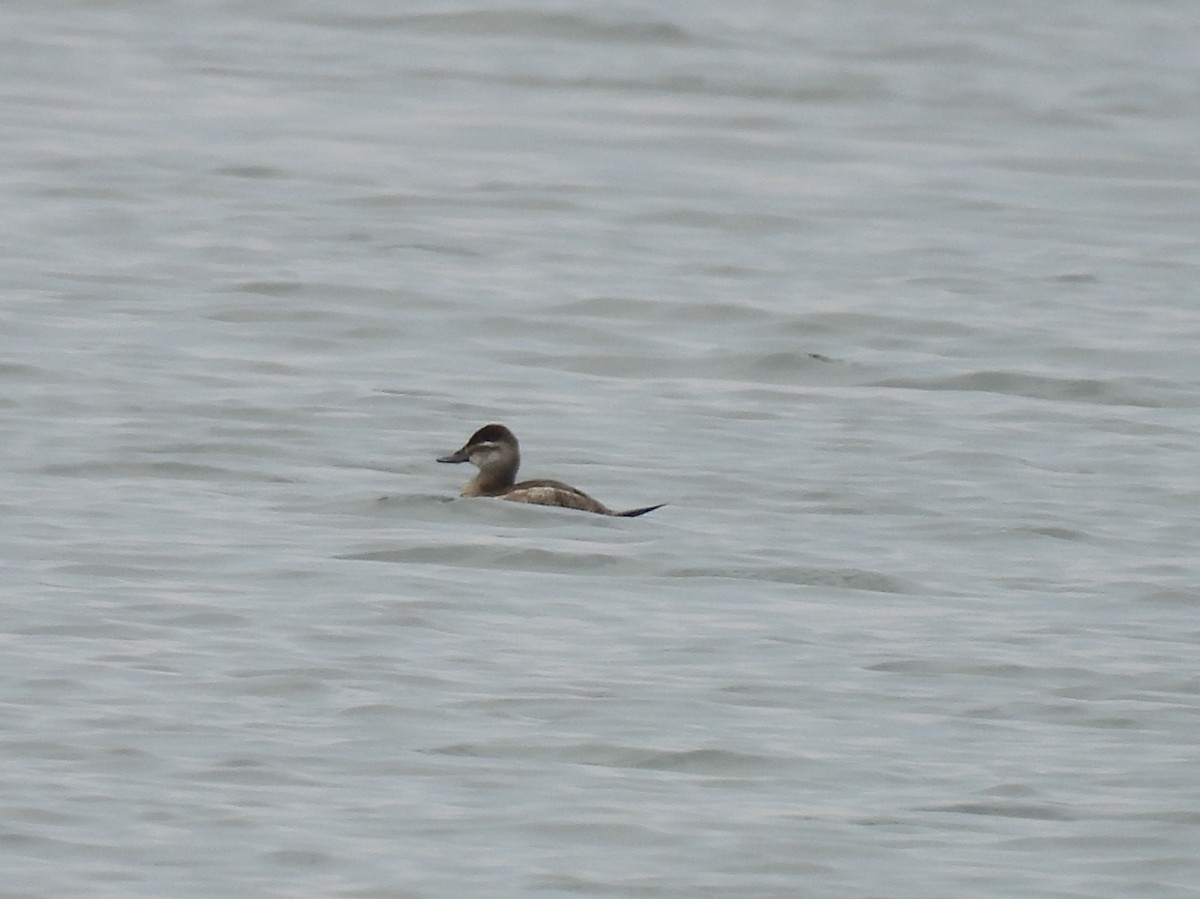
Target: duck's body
{"points": [[494, 450]]}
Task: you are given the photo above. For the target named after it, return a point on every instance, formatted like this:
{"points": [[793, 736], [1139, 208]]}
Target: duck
{"points": [[494, 450]]}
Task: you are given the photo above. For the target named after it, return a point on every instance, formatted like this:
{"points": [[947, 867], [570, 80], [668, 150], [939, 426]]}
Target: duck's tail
{"points": [[634, 513]]}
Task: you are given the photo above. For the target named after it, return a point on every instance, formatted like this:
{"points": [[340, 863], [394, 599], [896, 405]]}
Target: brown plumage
{"points": [[494, 450]]}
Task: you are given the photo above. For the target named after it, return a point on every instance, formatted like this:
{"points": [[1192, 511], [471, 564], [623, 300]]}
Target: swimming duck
{"points": [[494, 450]]}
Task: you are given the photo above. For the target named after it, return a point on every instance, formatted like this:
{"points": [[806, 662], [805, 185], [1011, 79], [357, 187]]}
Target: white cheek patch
{"points": [[483, 454]]}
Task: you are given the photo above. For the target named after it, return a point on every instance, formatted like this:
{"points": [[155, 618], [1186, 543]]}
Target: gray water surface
{"points": [[893, 304]]}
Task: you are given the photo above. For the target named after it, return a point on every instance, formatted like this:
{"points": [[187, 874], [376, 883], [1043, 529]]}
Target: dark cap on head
{"points": [[492, 434], [486, 434]]}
